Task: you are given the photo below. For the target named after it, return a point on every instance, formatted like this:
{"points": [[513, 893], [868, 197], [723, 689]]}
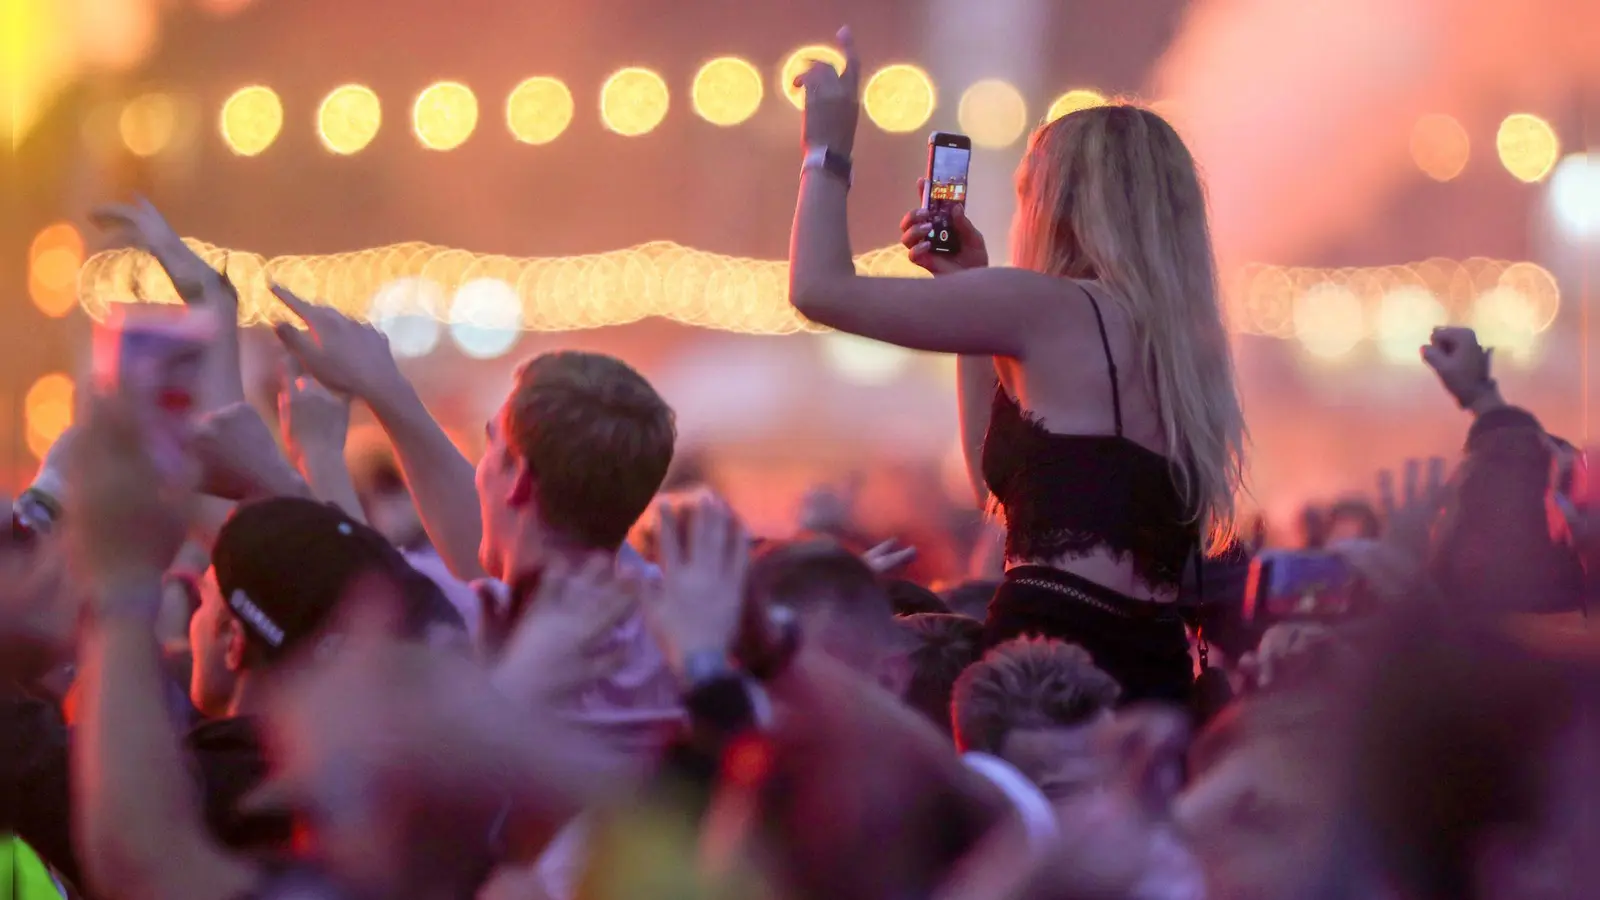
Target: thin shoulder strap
{"points": [[1111, 362]]}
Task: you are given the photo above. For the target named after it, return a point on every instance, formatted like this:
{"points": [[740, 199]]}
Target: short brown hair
{"points": [[598, 439], [944, 645], [1027, 682]]}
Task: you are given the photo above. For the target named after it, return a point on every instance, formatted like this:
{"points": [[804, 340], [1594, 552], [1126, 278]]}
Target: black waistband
{"points": [[1090, 593]]}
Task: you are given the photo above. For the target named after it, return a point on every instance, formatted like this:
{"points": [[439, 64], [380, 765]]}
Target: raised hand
{"points": [[833, 100], [889, 556], [918, 224], [125, 518], [1461, 363], [346, 356], [314, 419], [698, 606], [139, 224]]}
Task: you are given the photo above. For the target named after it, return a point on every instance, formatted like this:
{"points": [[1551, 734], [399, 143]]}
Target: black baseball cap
{"points": [[282, 566]]}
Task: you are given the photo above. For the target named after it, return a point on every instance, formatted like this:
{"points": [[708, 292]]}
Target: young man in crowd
{"points": [[943, 646]]}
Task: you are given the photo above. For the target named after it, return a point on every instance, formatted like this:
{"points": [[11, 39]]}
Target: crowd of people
{"points": [[542, 678]]}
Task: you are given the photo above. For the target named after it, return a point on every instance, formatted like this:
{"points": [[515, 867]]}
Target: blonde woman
{"points": [[1098, 407]]}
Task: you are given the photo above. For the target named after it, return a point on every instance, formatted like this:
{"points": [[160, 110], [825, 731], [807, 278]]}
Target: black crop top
{"points": [[1067, 494]]}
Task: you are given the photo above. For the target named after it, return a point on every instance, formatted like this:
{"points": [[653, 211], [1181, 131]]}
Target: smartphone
{"points": [[154, 355], [1301, 585], [949, 159]]}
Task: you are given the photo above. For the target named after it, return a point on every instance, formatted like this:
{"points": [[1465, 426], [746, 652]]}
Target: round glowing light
{"points": [[1328, 321], [799, 62], [727, 91], [899, 98], [222, 9], [1507, 322], [408, 311], [348, 118], [539, 110], [1538, 289], [633, 101], [1440, 146], [1074, 100], [486, 318], [1528, 147], [53, 262], [251, 120], [47, 411], [148, 123], [444, 115], [863, 360], [1575, 196], [1407, 317], [993, 113]]}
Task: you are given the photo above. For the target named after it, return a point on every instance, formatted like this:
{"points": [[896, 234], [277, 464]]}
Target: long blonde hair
{"points": [[1111, 194]]}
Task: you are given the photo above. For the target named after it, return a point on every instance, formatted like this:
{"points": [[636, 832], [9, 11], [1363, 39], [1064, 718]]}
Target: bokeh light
{"points": [[899, 98], [348, 118], [1440, 146], [54, 258], [444, 115], [1074, 100], [539, 110], [864, 361], [799, 62], [1506, 322], [47, 411], [408, 311], [993, 113], [1328, 320], [148, 123], [633, 101], [1528, 146], [486, 318], [1538, 289], [727, 91], [251, 120], [1575, 197], [1407, 317]]}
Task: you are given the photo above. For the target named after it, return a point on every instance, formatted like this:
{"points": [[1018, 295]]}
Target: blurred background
{"points": [[489, 179]]}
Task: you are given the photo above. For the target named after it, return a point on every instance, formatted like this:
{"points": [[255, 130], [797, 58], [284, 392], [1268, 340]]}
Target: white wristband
{"points": [[1038, 818]]}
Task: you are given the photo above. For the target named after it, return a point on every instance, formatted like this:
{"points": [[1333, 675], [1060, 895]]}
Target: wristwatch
{"points": [[836, 164]]}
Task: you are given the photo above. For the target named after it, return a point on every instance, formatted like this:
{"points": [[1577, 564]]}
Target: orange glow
{"points": [[633, 101], [349, 118], [444, 115], [1440, 146], [539, 110], [47, 411], [53, 262], [899, 98]]}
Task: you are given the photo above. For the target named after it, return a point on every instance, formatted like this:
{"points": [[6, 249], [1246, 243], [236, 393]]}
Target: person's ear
{"points": [[233, 637], [522, 484]]}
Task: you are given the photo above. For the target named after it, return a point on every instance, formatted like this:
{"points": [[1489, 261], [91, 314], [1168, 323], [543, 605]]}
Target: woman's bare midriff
{"points": [[1100, 567]]}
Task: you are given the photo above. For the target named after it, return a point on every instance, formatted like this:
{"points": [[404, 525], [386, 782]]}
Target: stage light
{"points": [[1506, 322], [54, 258], [349, 118], [633, 101], [539, 110], [486, 318], [444, 115], [799, 62], [1528, 147], [1440, 146], [727, 91], [1407, 317], [408, 311], [992, 113], [47, 411], [1540, 294], [864, 361], [1575, 197], [251, 120], [899, 98], [1328, 320], [148, 123], [1074, 100]]}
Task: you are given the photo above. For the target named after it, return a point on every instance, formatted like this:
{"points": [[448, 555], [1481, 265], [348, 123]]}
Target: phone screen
{"points": [[949, 158], [1300, 585]]}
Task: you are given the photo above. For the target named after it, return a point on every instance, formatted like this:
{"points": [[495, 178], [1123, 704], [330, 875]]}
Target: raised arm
{"points": [[351, 358], [139, 827], [315, 423]]}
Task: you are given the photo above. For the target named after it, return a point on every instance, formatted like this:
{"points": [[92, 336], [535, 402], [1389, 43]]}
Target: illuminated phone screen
{"points": [[947, 186]]}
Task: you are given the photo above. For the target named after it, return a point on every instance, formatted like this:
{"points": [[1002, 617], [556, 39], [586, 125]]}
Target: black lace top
{"points": [[1067, 494]]}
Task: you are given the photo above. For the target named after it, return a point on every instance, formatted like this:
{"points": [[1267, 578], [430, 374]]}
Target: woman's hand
{"points": [[916, 227], [833, 100]]}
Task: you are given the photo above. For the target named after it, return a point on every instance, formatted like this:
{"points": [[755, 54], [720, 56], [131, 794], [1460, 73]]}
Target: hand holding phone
{"points": [[944, 190], [154, 355]]}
